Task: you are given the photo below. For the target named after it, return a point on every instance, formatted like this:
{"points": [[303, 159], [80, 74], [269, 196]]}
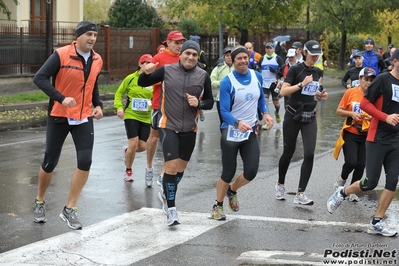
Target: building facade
{"points": [[33, 13]]}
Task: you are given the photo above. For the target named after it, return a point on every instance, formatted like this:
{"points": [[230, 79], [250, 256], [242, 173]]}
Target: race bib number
{"points": [[233, 134], [356, 108], [75, 122], [139, 104], [311, 88], [355, 83], [395, 93]]}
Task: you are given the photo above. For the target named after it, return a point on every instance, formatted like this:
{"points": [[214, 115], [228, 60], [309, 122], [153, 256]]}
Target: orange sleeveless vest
{"points": [[70, 82]]}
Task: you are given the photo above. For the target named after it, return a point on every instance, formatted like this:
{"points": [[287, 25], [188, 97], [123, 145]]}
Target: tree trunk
{"points": [[389, 39], [342, 51], [244, 36]]}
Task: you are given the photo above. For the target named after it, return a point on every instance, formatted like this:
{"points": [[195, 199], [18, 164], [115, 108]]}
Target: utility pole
{"points": [[220, 39], [48, 29]]}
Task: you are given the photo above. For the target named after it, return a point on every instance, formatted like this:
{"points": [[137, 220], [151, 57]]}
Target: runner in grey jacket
{"points": [[175, 113], [186, 89]]}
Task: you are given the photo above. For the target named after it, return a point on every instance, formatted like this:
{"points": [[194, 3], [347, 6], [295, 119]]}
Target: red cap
{"points": [[159, 47], [175, 35], [145, 58]]}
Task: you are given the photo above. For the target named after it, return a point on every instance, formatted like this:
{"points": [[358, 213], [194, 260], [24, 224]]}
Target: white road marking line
{"points": [[22, 142], [297, 221], [129, 238], [268, 257], [121, 240]]}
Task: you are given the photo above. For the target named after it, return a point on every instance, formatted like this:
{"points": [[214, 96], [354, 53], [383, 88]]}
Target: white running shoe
{"points": [[335, 200], [148, 177], [159, 180], [302, 199], [128, 177], [381, 228], [172, 217], [280, 190]]}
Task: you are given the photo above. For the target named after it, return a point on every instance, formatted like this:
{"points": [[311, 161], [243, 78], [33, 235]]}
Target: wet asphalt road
{"points": [[106, 195]]}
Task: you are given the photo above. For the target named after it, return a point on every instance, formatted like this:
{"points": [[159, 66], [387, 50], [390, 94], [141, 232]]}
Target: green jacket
{"points": [[138, 104], [218, 73]]}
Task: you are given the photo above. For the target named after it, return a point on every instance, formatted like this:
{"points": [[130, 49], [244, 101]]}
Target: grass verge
{"points": [[39, 96]]}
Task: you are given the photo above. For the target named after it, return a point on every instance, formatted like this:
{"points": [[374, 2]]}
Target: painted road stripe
{"points": [[121, 240], [128, 238], [279, 258]]}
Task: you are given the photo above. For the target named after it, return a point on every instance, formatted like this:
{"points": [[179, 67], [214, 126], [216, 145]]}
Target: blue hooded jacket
{"points": [[372, 59]]}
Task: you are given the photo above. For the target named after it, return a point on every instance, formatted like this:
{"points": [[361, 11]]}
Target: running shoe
{"points": [[265, 127], [380, 228], [172, 217], [280, 190], [128, 176], [40, 212], [278, 118], [69, 215], [303, 199], [148, 177], [339, 183], [162, 198], [335, 200], [353, 198], [217, 213], [233, 202], [159, 180], [202, 116]]}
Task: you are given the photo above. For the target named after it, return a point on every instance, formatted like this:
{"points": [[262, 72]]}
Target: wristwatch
{"points": [[236, 123], [200, 104], [300, 85]]}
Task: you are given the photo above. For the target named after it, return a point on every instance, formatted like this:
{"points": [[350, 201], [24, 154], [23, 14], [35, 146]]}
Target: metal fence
{"points": [[21, 54], [23, 49]]}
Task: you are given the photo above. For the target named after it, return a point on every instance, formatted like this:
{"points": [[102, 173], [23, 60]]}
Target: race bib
{"points": [[355, 83], [139, 104], [311, 88], [233, 134], [395, 93], [75, 122], [356, 108]]}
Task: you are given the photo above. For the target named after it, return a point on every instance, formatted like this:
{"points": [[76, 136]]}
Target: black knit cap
{"points": [[190, 45], [237, 50], [84, 26]]}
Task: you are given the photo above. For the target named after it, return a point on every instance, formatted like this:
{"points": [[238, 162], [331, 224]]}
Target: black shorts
{"points": [[154, 119], [135, 128], [56, 132], [267, 92], [177, 145]]}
